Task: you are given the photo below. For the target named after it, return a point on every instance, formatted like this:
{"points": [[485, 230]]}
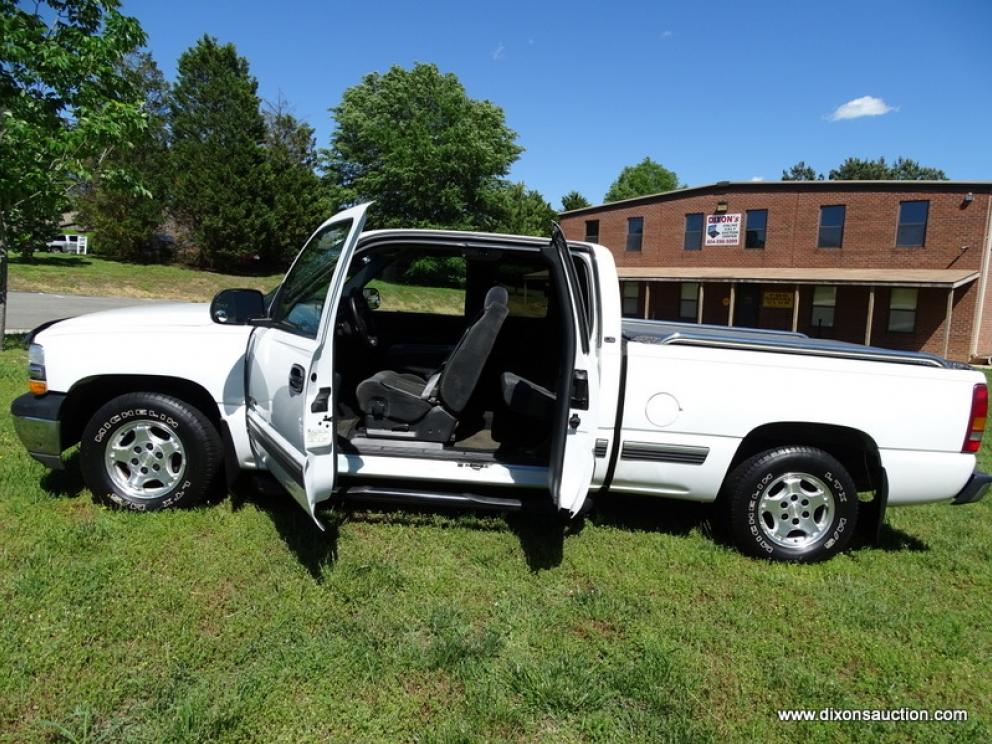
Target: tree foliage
{"points": [[415, 142], [573, 200], [903, 169], [524, 211], [65, 105], [299, 201], [801, 172], [647, 177], [221, 179], [125, 221]]}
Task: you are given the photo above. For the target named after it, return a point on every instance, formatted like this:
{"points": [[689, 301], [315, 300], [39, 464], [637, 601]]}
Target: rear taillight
{"points": [[976, 422]]}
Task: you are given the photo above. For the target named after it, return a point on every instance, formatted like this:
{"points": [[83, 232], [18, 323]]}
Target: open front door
{"points": [[290, 361], [570, 469]]}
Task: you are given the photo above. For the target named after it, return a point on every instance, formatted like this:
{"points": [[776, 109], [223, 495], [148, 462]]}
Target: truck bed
{"points": [[776, 342]]}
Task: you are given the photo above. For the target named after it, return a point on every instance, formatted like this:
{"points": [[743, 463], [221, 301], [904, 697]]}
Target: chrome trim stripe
{"points": [[676, 453]]}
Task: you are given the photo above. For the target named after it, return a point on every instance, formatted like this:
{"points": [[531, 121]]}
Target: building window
{"points": [[912, 230], [592, 231], [689, 301], [757, 221], [831, 226], [631, 298], [693, 240], [824, 302], [635, 231], [902, 309]]}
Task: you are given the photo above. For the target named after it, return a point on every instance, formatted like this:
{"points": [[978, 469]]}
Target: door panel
{"points": [[573, 441], [290, 365]]}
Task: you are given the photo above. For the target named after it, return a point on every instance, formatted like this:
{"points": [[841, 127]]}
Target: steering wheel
{"points": [[362, 318]]}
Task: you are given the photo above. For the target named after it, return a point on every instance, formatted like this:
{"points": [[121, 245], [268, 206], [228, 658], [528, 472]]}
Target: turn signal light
{"points": [[38, 387], [976, 422]]}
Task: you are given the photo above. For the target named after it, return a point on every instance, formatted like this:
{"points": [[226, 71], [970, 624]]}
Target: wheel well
{"points": [[855, 450], [85, 397]]}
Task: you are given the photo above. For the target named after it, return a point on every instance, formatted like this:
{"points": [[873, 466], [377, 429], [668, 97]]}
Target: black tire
{"points": [[177, 453], [774, 508]]}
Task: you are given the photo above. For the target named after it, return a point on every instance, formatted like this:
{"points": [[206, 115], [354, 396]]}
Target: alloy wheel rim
{"points": [[145, 459], [796, 509]]}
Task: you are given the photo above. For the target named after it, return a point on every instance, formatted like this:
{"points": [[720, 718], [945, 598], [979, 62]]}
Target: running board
{"points": [[387, 495]]}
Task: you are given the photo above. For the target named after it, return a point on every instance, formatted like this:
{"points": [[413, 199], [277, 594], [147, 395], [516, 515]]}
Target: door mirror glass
{"points": [[237, 306], [372, 298]]}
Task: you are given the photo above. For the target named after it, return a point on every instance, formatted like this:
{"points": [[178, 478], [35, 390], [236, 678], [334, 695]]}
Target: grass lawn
{"points": [[89, 275], [239, 621]]}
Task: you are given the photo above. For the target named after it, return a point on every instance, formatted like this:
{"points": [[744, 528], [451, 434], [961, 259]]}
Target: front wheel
{"points": [[791, 504], [147, 451]]}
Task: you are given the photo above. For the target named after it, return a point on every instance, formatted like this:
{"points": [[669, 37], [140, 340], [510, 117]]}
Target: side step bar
{"points": [[447, 499]]}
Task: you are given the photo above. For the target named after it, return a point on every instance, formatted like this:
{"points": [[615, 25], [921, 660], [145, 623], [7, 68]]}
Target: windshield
{"points": [[300, 300]]}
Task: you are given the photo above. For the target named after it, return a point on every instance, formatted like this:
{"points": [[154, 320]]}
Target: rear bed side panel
{"points": [[712, 398]]}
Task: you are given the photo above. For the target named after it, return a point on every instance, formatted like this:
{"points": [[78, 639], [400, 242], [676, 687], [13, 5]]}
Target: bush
{"points": [[432, 271]]}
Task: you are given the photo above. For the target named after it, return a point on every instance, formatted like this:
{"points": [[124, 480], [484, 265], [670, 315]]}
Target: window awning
{"points": [[946, 278]]}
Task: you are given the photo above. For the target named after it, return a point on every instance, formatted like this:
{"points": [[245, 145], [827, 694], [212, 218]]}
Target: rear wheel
{"points": [[147, 451], [791, 504]]}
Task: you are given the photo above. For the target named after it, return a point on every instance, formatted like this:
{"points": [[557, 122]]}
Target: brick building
{"points": [[901, 264]]}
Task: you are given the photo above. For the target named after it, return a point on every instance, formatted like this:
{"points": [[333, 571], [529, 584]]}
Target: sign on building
{"points": [[780, 300], [723, 229]]}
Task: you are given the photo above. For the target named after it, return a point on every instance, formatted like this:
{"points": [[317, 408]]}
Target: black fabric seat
{"points": [[526, 398], [527, 412], [398, 404]]}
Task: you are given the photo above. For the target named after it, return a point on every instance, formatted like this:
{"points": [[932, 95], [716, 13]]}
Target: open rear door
{"points": [[290, 359], [573, 440]]}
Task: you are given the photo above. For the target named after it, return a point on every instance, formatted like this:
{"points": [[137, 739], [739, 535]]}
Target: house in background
{"points": [[901, 264]]}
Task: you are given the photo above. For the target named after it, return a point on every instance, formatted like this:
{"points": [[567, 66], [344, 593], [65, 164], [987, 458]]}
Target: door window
{"points": [[300, 301]]}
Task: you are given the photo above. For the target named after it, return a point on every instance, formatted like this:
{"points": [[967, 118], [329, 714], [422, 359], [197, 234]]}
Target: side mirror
{"points": [[372, 298], [237, 306]]}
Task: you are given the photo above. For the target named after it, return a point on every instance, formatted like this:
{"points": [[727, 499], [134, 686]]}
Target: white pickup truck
{"points": [[358, 380]]}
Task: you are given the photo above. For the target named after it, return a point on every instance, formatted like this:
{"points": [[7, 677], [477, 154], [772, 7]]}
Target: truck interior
{"points": [[448, 351]]}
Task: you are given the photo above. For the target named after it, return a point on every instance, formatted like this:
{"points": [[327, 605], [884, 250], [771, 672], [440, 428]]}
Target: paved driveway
{"points": [[25, 310]]}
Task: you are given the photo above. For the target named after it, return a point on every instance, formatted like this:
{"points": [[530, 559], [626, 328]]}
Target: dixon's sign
{"points": [[723, 229]]}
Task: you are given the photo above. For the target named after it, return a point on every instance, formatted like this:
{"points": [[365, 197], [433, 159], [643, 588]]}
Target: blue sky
{"points": [[714, 90]]}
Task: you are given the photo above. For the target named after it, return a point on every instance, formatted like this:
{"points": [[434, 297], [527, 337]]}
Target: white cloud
{"points": [[864, 106], [530, 41], [498, 52], [666, 34], [757, 178]]}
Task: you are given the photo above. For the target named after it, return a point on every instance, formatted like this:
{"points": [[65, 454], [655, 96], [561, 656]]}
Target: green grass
{"points": [[89, 275], [240, 622]]}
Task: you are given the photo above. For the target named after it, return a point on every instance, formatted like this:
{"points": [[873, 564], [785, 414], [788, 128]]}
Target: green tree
{"points": [[64, 107], [647, 177], [801, 172], [299, 202], [573, 200], [221, 179], [415, 142], [524, 211], [903, 169], [124, 221]]}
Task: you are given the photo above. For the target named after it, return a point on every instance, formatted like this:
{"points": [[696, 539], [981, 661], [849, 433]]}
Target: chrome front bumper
{"points": [[36, 421]]}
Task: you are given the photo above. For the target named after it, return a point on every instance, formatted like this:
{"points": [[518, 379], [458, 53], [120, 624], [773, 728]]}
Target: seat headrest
{"points": [[496, 296]]}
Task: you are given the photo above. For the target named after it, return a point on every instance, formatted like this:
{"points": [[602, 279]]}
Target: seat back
{"points": [[461, 372]]}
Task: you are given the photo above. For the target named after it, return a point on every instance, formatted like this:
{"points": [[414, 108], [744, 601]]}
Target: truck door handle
{"points": [[296, 375]]}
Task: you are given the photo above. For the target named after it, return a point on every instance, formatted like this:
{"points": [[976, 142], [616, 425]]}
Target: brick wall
{"points": [[955, 239]]}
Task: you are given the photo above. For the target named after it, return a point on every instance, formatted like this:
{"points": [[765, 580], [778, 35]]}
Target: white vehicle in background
{"points": [[532, 388], [69, 244]]}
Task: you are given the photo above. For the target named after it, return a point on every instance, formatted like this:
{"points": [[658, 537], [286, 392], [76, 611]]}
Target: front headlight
{"points": [[37, 379]]}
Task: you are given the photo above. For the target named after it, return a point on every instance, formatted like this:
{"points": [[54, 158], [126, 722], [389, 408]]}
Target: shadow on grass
{"points": [[66, 483], [67, 260], [316, 550]]}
